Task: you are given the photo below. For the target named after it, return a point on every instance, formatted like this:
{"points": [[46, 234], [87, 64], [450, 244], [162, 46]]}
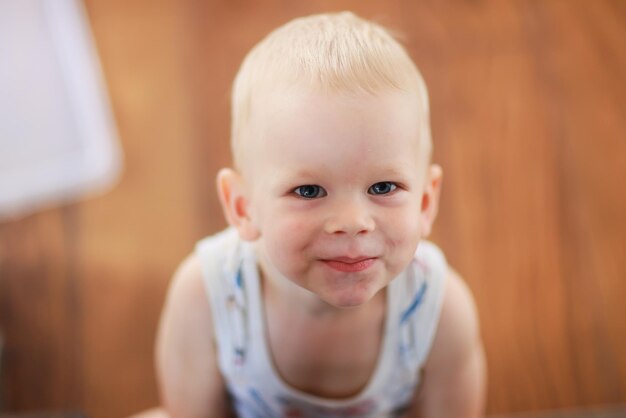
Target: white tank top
{"points": [[231, 279]]}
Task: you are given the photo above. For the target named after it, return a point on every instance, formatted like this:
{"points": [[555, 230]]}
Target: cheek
{"points": [[287, 238], [288, 227], [402, 232], [403, 222]]}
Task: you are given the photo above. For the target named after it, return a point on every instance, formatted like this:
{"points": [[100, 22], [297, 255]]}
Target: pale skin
{"points": [[348, 174]]}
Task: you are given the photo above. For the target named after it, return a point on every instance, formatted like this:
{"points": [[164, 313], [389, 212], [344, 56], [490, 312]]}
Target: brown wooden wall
{"points": [[529, 120]]}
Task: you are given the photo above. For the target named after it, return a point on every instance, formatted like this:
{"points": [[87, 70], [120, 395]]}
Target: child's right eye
{"points": [[310, 191]]}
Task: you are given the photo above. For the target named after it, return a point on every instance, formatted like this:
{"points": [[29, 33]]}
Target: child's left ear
{"points": [[430, 198]]}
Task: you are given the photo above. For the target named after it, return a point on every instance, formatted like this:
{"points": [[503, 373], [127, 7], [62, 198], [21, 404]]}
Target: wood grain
{"points": [[529, 120]]}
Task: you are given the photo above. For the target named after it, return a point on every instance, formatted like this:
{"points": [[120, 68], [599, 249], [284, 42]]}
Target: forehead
{"points": [[320, 130], [311, 106]]}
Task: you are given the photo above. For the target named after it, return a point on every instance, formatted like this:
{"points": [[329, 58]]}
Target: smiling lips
{"points": [[350, 265]]}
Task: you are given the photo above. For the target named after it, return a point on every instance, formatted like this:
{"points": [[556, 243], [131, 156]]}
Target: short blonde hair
{"points": [[335, 52]]}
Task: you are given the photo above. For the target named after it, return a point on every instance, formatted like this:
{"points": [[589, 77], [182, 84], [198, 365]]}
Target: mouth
{"points": [[350, 265]]}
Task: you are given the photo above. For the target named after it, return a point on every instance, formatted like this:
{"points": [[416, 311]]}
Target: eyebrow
{"points": [[391, 172], [293, 177], [380, 171], [302, 173]]}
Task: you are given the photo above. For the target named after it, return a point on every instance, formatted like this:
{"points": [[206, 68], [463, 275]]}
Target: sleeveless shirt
{"points": [[231, 278]]}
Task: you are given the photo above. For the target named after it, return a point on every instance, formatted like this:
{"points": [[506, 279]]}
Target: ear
{"points": [[236, 203], [430, 198]]}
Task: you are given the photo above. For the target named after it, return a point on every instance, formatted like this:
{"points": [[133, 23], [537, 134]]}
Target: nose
{"points": [[350, 218]]}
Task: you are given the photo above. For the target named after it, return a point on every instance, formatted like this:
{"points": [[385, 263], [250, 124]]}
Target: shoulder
{"points": [[188, 375], [455, 372], [458, 331], [186, 323], [187, 291]]}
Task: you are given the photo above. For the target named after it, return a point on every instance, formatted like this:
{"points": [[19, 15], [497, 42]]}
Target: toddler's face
{"points": [[336, 186]]}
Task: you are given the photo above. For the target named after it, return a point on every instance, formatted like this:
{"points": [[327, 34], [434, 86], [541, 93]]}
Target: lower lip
{"points": [[350, 267]]}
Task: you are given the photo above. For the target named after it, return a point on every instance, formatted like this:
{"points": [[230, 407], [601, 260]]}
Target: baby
{"points": [[322, 299]]}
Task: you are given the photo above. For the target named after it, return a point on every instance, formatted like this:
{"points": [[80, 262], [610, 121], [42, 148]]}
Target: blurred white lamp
{"points": [[58, 141]]}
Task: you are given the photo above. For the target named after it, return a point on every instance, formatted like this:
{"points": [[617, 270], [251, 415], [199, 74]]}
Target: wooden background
{"points": [[529, 120]]}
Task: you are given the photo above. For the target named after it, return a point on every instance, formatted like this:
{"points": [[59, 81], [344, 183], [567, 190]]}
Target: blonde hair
{"points": [[337, 52]]}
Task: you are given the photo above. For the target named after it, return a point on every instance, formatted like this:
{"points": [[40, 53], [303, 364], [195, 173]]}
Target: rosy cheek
{"points": [[289, 224], [403, 222], [403, 231], [290, 234]]}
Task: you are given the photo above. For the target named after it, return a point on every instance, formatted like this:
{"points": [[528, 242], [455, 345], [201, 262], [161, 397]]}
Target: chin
{"points": [[351, 297]]}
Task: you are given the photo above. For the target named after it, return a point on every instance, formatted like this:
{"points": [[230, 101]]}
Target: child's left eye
{"points": [[384, 187]]}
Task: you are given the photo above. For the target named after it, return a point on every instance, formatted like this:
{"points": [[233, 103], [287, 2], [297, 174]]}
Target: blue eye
{"points": [[310, 191], [384, 187]]}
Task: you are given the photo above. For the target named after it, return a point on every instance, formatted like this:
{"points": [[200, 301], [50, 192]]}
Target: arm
{"points": [[454, 379], [190, 383]]}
